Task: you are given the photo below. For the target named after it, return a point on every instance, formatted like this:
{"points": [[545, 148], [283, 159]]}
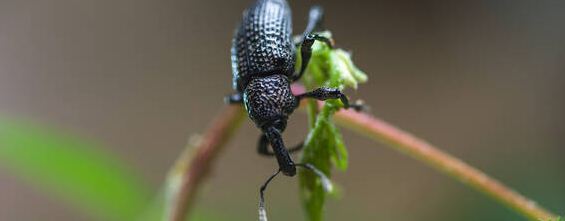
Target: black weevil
{"points": [[263, 60]]}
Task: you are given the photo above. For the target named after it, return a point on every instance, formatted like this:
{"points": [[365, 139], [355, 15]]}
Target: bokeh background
{"points": [[483, 80]]}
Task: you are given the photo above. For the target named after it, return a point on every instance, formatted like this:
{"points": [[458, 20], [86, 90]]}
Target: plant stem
{"points": [[194, 163], [405, 142]]}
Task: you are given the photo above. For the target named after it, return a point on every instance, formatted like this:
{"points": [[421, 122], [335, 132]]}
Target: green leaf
{"points": [[72, 168], [324, 144], [339, 155]]}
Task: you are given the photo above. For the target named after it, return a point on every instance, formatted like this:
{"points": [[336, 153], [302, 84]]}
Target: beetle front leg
{"points": [[325, 93]]}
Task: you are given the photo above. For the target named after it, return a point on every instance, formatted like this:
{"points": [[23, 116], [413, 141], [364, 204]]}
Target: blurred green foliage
{"points": [[77, 170], [81, 172], [324, 144]]}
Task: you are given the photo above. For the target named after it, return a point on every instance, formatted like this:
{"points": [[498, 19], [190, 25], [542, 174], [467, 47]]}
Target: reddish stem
{"points": [[407, 143], [201, 159]]}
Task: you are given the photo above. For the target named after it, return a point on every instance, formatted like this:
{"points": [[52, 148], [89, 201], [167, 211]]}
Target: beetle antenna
{"points": [[326, 183], [262, 210]]}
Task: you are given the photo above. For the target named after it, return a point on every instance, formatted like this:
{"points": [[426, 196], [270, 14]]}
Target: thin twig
{"points": [[381, 131], [407, 143], [194, 163]]}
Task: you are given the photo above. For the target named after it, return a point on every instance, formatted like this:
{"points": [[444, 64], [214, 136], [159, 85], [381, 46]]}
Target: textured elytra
{"points": [[269, 99], [263, 44]]}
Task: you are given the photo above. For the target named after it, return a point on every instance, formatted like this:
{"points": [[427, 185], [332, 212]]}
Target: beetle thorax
{"points": [[269, 101]]}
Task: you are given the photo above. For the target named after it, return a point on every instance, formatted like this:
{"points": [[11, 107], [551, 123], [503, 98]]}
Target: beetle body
{"points": [[263, 64], [263, 60]]}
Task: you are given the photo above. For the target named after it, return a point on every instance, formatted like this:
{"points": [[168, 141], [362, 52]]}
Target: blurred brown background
{"points": [[484, 80]]}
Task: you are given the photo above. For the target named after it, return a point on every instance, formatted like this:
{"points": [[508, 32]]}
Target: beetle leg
{"points": [[306, 51], [305, 54], [328, 41], [325, 93], [315, 19], [263, 147], [296, 148], [236, 98]]}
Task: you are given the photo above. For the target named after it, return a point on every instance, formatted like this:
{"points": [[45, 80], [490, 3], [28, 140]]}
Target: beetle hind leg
{"points": [[263, 147]]}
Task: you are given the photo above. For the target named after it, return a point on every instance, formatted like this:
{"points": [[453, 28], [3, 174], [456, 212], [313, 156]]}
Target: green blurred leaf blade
{"points": [[72, 168]]}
